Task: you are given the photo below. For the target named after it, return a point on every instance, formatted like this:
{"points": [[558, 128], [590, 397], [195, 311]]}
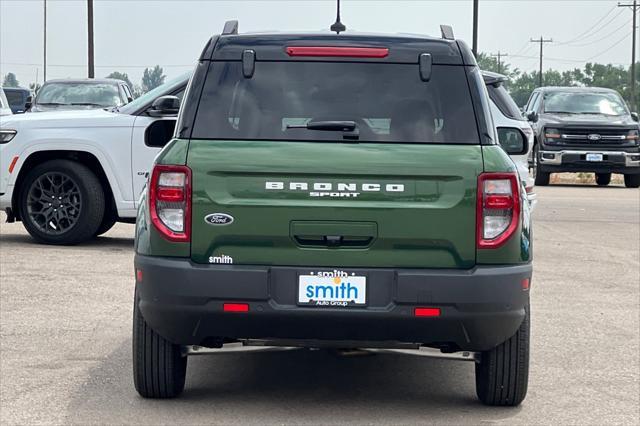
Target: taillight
{"points": [[498, 208], [170, 201]]}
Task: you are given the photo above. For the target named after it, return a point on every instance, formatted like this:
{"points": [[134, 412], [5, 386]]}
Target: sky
{"points": [[133, 34]]}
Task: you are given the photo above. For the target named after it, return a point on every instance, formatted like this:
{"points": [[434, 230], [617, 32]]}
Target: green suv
{"points": [[327, 190]]}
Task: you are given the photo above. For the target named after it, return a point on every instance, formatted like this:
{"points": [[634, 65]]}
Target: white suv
{"points": [[507, 114]]}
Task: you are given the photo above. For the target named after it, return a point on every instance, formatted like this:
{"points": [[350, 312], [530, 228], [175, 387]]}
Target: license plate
{"points": [[332, 289], [594, 157]]}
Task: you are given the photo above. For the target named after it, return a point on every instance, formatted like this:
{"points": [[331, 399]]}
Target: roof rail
{"points": [[447, 32], [230, 28]]}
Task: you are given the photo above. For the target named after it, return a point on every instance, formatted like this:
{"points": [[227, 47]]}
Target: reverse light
{"points": [[498, 209], [170, 201], [6, 135], [338, 52]]}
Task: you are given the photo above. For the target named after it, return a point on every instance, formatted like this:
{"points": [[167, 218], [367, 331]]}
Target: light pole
{"points": [[475, 27], [44, 78], [91, 64]]}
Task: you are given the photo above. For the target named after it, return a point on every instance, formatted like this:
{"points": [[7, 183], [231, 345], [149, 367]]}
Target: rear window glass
{"points": [[388, 102], [15, 98], [504, 102]]}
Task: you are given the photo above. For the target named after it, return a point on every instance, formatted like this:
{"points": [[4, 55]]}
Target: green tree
{"points": [[121, 76], [10, 80], [487, 62], [35, 87], [152, 78]]}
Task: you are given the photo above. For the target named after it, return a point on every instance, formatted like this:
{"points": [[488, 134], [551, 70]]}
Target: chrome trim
{"points": [[586, 137], [559, 155]]}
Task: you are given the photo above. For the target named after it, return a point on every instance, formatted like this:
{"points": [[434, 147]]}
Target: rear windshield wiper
{"points": [[349, 129], [50, 103]]}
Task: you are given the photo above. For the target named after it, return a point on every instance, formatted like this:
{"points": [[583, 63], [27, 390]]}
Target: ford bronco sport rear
{"points": [[326, 190]]}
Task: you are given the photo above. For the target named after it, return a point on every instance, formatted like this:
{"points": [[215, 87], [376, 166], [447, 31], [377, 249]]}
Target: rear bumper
{"points": [[480, 308], [575, 161]]}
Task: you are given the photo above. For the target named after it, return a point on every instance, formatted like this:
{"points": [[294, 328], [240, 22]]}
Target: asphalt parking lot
{"points": [[65, 315]]}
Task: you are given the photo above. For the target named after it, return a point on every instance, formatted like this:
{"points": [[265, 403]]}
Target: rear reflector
{"points": [[235, 307], [169, 194], [139, 275], [339, 52], [525, 284], [427, 312]]}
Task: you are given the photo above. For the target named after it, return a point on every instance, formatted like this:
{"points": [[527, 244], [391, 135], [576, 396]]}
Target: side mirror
{"points": [[28, 103], [634, 116], [165, 106], [532, 116], [513, 140]]}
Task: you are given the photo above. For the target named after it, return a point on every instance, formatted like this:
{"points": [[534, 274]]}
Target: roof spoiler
{"points": [[447, 32], [230, 28]]}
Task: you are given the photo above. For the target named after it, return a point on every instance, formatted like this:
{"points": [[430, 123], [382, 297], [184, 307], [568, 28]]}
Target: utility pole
{"points": [[542, 41], [634, 8], [475, 27], [45, 44], [499, 56], [90, 41]]}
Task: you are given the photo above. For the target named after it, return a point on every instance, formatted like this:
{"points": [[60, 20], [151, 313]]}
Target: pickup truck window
{"points": [[388, 102], [584, 103]]}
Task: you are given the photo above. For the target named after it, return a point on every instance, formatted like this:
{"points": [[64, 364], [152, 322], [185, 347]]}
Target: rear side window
{"points": [[504, 102], [15, 98], [388, 102]]}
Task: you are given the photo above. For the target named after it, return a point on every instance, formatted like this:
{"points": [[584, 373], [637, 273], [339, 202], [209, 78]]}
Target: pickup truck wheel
{"points": [[632, 181], [159, 368], [108, 221], [603, 179], [61, 202], [541, 178], [502, 375]]}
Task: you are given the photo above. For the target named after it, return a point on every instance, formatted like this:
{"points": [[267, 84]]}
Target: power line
{"points": [[608, 48], [97, 66], [617, 30], [581, 35]]}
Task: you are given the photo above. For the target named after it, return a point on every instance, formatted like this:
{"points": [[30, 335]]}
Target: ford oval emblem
{"points": [[594, 137], [218, 219]]}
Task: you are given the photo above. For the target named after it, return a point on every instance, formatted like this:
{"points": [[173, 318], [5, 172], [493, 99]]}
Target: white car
{"points": [[506, 113], [5, 109], [69, 176]]}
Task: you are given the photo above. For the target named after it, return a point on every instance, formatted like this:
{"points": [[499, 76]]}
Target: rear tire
{"points": [[603, 179], [61, 202], [632, 181], [159, 368], [502, 375]]}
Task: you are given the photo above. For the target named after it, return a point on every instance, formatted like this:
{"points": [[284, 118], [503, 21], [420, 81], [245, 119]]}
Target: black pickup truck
{"points": [[583, 129]]}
